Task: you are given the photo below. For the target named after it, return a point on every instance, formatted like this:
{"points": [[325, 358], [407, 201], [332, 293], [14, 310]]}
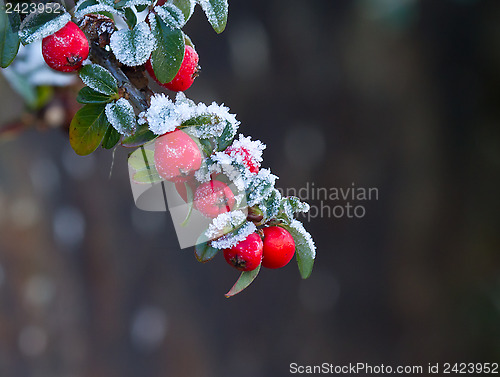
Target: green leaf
{"points": [[206, 146], [99, 79], [38, 25], [111, 138], [246, 278], [121, 115], [167, 58], [216, 11], [88, 95], [9, 37], [204, 252], [129, 3], [140, 137], [186, 7], [304, 251], [133, 47], [130, 18], [171, 15], [87, 128], [226, 138]]}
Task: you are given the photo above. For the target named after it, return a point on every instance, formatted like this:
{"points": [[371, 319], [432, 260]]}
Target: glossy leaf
{"points": [[246, 278], [121, 116], [88, 95], [303, 252], [140, 137], [204, 252], [87, 129], [9, 37], [216, 11], [38, 25], [226, 138], [167, 58], [130, 18], [99, 79], [111, 138]]}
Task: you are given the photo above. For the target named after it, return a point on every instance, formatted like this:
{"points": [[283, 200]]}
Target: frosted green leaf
{"points": [[171, 15], [99, 78], [132, 3], [121, 116], [38, 25], [216, 11], [84, 7], [133, 47], [305, 249]]}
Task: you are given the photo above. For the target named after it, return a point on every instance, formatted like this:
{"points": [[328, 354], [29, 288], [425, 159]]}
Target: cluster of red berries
{"points": [[66, 50], [177, 157]]}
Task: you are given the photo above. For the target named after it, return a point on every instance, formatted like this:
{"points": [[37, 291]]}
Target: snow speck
{"points": [[121, 116], [133, 47], [231, 239], [31, 30]]}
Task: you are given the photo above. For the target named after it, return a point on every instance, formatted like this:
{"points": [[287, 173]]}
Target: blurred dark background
{"points": [[399, 95]]}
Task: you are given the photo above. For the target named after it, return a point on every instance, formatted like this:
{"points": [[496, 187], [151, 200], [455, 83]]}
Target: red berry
{"points": [[181, 188], [248, 161], [279, 247], [213, 198], [66, 49], [186, 75], [177, 156], [245, 255]]}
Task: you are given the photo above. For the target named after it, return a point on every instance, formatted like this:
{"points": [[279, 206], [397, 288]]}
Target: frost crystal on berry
{"points": [[253, 147], [231, 239], [133, 47], [31, 31], [224, 223]]}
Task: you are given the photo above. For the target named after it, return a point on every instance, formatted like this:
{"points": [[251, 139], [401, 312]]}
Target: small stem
{"points": [[108, 61]]}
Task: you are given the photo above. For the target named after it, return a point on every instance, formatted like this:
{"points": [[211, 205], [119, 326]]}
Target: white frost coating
{"points": [[79, 13], [121, 116], [224, 223], [96, 84], [29, 35], [133, 47], [230, 240], [213, 18], [171, 15], [299, 228], [254, 148], [161, 116], [138, 2], [261, 187]]}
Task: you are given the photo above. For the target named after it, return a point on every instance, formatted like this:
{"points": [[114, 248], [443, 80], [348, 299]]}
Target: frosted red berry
{"points": [[186, 75], [177, 156], [245, 255], [248, 160], [213, 198], [279, 247], [66, 49]]}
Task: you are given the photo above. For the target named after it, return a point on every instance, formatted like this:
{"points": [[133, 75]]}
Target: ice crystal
{"points": [[133, 47], [33, 29], [260, 187], [254, 148], [271, 205], [214, 15], [161, 116], [224, 223], [172, 15], [121, 116], [305, 238], [231, 239]]}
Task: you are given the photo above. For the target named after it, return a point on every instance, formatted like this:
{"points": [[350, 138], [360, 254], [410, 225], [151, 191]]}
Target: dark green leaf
{"points": [[9, 38], [87, 128], [140, 137], [130, 18], [128, 3], [226, 138], [167, 58], [121, 115], [171, 15], [204, 252], [246, 278], [141, 8], [88, 95], [186, 6], [216, 11], [303, 251], [206, 146], [111, 138], [99, 79], [38, 25]]}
